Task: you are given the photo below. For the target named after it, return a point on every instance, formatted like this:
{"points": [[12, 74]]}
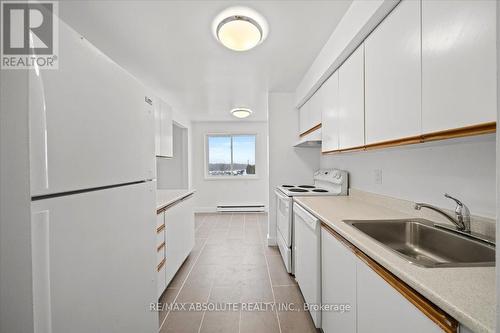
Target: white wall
{"points": [[211, 193], [465, 168], [173, 173], [286, 163]]}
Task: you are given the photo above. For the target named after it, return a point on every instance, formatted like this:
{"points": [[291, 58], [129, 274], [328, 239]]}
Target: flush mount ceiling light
{"points": [[241, 112], [240, 28]]}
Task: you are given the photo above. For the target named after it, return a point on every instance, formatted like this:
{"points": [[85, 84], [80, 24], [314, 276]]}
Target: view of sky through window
{"points": [[231, 155]]}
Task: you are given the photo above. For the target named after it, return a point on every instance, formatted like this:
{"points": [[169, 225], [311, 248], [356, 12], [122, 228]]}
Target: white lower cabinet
{"points": [[160, 253], [381, 308], [162, 283], [179, 235], [338, 284], [376, 306]]}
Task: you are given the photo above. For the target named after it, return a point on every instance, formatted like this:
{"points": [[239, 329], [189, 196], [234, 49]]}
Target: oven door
{"points": [[284, 217]]}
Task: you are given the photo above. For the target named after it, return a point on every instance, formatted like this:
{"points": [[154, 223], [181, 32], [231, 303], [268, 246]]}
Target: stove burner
{"points": [[298, 190], [287, 185], [319, 190], [306, 186]]}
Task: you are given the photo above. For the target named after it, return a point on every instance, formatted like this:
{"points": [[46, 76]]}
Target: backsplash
{"points": [[464, 168]]}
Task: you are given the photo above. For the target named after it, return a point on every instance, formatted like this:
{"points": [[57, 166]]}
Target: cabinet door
{"points": [[161, 278], [179, 233], [157, 113], [380, 308], [392, 74], [330, 110], [166, 140], [352, 101], [315, 110], [338, 284], [458, 64], [160, 253], [304, 117], [163, 129]]}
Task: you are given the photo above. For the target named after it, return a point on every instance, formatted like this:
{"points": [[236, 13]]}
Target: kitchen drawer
{"points": [[160, 234], [160, 219]]}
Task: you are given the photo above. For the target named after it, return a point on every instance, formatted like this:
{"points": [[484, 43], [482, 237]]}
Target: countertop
{"points": [[465, 293], [167, 197]]}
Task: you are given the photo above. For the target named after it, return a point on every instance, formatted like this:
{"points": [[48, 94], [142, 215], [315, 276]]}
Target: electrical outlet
{"points": [[377, 176]]}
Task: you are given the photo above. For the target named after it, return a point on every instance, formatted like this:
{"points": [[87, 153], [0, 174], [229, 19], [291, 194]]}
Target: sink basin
{"points": [[423, 243]]}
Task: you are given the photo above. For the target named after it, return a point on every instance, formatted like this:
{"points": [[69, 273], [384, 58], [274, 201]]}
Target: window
{"points": [[230, 155]]}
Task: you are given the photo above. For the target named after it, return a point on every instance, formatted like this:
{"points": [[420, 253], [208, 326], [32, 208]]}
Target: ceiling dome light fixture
{"points": [[241, 112], [240, 28]]}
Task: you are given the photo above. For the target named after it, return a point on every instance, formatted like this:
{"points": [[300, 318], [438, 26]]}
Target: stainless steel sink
{"points": [[425, 244]]}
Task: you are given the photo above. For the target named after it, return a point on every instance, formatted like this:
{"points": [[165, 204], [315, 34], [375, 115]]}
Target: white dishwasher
{"points": [[308, 258]]}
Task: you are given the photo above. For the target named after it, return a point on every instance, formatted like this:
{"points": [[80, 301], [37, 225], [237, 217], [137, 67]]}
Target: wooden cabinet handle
{"points": [[160, 265], [160, 228], [312, 129]]}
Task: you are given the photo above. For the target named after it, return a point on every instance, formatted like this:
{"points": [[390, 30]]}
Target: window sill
{"points": [[232, 177]]}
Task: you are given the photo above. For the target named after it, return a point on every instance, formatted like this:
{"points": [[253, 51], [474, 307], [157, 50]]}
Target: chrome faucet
{"points": [[462, 213]]}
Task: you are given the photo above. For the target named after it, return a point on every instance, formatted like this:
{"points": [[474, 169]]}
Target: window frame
{"points": [[231, 134]]}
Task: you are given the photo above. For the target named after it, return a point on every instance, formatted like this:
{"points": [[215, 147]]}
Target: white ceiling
{"points": [[170, 47]]}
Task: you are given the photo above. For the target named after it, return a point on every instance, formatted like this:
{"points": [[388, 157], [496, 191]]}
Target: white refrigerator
{"points": [[92, 180]]}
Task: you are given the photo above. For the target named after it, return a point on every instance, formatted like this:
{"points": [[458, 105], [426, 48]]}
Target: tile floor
{"points": [[231, 263]]}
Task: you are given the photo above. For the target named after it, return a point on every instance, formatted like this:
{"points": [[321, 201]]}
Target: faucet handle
{"points": [[458, 202], [462, 212]]}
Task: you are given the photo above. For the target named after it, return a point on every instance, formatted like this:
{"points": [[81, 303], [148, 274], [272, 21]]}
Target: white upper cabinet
{"points": [[156, 108], [458, 64], [163, 129], [351, 116], [310, 112], [166, 141], [303, 118], [330, 113], [316, 103], [393, 76]]}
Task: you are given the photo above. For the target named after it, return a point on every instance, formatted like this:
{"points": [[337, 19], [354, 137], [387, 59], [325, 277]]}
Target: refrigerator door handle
{"points": [[40, 264]]}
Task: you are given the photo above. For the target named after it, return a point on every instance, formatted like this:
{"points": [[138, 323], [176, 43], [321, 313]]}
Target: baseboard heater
{"points": [[240, 208]]}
